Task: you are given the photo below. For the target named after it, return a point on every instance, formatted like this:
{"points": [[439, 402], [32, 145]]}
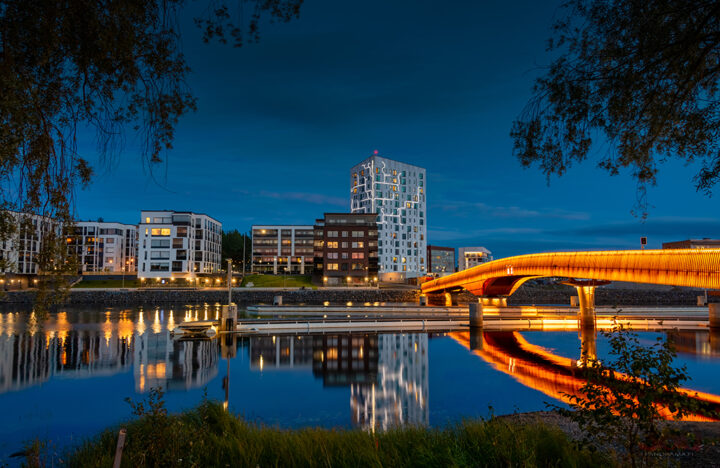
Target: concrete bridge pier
{"points": [[714, 316], [586, 298], [588, 343], [475, 310], [586, 311], [447, 299], [476, 339], [714, 339]]}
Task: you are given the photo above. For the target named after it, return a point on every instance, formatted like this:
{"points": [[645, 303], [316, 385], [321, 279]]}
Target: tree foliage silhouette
{"points": [[635, 79]]}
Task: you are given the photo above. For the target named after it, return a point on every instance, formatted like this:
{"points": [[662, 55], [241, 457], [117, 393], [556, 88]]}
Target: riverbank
{"points": [[527, 294], [210, 436], [241, 296]]}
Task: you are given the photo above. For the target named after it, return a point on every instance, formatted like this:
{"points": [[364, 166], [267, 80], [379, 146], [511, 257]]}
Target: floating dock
{"points": [[404, 318]]}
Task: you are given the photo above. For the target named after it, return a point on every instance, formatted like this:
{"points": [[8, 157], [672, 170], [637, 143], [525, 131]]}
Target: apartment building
{"points": [[346, 249], [396, 193], [441, 260], [19, 252], [178, 244], [104, 246], [705, 243], [469, 257], [282, 249]]}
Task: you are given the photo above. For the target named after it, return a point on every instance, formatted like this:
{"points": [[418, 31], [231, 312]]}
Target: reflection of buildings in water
{"points": [[163, 362], [85, 347], [346, 359], [280, 352], [705, 344], [387, 374], [400, 395], [28, 359]]}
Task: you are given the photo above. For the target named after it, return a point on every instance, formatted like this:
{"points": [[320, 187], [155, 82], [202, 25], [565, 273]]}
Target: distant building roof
{"points": [[692, 243]]}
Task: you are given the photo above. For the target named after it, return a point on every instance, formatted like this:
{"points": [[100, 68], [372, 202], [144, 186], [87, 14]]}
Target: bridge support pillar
{"points": [[588, 343], [476, 339], [586, 312], [451, 299], [475, 310], [714, 339], [586, 298], [714, 315]]}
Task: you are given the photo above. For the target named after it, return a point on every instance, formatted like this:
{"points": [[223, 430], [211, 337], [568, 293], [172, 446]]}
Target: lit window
{"points": [[147, 220]]}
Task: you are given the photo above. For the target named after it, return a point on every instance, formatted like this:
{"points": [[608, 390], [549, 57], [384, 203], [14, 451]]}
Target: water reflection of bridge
{"points": [[31, 354], [387, 373], [554, 375]]}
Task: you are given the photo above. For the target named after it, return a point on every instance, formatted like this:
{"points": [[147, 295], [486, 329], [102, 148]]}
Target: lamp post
{"points": [[229, 280]]}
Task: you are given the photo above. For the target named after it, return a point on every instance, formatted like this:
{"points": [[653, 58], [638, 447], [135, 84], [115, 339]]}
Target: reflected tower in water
{"points": [[400, 394], [387, 374]]}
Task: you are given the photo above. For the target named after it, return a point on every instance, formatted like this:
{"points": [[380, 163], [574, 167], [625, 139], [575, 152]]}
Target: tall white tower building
{"points": [[396, 192]]}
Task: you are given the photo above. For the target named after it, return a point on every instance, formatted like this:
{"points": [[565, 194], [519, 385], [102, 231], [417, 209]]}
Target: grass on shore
{"points": [[210, 436], [278, 281]]}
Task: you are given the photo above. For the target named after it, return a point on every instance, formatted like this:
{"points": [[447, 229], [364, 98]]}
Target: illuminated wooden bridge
{"points": [[496, 280]]}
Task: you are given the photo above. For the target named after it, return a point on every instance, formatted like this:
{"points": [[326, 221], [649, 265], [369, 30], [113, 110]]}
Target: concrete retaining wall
{"points": [[524, 296], [240, 296]]}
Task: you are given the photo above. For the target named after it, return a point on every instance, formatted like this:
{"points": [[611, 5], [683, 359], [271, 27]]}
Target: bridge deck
{"points": [[699, 268]]}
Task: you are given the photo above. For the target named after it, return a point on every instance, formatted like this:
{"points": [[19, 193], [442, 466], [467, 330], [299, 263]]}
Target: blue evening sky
{"points": [[435, 84]]}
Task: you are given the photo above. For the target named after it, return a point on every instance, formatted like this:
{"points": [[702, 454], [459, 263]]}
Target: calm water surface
{"points": [[66, 378]]}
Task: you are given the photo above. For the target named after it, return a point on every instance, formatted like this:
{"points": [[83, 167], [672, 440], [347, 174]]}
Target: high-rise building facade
{"points": [[396, 193], [178, 244], [282, 249], [103, 246]]}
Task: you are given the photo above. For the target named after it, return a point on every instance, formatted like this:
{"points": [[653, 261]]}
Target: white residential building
{"points": [[469, 257], [104, 246], [396, 192], [20, 250], [178, 244]]}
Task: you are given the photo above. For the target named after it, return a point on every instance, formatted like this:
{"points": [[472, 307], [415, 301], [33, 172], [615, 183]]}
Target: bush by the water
{"points": [[210, 436]]}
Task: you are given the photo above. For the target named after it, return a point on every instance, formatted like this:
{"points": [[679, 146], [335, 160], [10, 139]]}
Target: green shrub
{"points": [[210, 436]]}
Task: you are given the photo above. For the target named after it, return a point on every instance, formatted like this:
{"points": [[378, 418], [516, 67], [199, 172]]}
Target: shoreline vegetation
{"points": [[208, 435]]}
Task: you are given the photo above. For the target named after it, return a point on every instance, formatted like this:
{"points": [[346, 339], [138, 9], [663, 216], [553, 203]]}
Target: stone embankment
{"points": [[549, 295], [606, 296], [128, 297]]}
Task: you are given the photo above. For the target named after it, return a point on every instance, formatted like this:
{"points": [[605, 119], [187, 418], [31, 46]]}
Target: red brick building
{"points": [[346, 249]]}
